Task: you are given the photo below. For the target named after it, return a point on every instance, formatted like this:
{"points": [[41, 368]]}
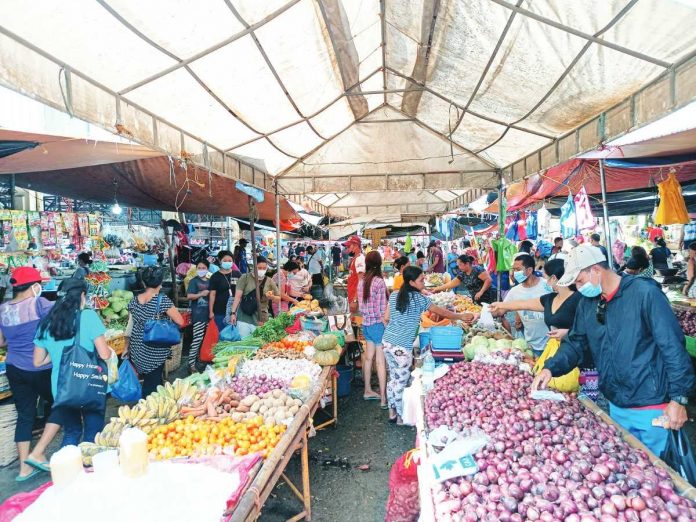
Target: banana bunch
{"points": [[89, 450], [110, 434], [176, 391], [162, 408]]}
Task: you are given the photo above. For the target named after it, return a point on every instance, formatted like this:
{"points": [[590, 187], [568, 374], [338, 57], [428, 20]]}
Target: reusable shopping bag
{"points": [[566, 383], [160, 333], [680, 456], [82, 377], [127, 388]]}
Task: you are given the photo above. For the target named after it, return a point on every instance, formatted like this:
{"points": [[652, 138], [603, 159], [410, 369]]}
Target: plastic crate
{"points": [[446, 338]]}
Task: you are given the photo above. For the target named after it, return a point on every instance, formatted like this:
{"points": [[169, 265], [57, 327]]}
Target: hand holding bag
{"points": [[160, 333], [82, 377], [680, 456]]}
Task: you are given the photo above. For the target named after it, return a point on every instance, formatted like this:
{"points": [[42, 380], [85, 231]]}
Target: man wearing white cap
{"points": [[636, 343]]}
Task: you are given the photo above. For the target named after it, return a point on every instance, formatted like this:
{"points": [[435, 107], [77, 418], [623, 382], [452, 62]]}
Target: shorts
{"points": [[374, 333]]}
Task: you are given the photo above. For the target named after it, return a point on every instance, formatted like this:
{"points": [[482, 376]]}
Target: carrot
{"points": [[211, 409]]}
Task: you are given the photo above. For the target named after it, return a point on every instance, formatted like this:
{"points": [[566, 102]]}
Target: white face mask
{"points": [[261, 273], [202, 273], [36, 292]]}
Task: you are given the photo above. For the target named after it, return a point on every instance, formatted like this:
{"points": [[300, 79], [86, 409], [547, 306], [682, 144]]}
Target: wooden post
{"points": [[169, 240], [252, 219]]}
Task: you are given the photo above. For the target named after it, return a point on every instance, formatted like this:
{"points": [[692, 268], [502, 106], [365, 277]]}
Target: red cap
{"points": [[25, 275], [353, 240]]}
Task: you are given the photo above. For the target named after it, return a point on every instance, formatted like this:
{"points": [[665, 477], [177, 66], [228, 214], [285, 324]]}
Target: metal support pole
{"points": [[277, 220], [605, 212], [228, 224], [501, 219], [252, 220]]}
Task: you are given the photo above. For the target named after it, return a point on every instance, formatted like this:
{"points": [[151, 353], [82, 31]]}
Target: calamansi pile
{"points": [[187, 437]]}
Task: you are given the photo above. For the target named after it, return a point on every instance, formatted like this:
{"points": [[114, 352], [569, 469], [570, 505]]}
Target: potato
{"points": [[243, 408], [281, 415], [249, 415], [297, 402], [248, 401], [289, 401], [277, 394], [278, 402], [263, 409], [293, 410], [255, 407], [237, 416]]}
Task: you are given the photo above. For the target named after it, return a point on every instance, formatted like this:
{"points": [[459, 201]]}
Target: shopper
{"points": [[19, 319], [84, 261], [399, 266], [241, 315], [282, 280], [300, 282], [636, 342], [689, 289], [421, 261], [557, 249], [197, 292], [661, 255], [436, 260], [470, 251], [55, 333], [355, 271], [529, 286], [595, 242], [403, 319], [372, 300], [240, 256], [336, 258], [315, 265], [525, 247], [558, 304], [223, 284], [452, 260], [471, 280], [639, 264], [149, 361]]}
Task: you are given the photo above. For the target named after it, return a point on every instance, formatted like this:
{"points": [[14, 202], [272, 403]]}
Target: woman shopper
{"points": [[248, 318], [470, 280], [19, 319], [197, 292], [639, 264], [660, 254], [403, 318], [223, 285], [400, 265], [372, 301], [452, 256], [57, 332], [421, 261], [84, 261], [151, 304], [282, 280], [301, 281]]}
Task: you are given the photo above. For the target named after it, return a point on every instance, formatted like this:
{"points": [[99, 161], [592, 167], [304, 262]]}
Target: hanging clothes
{"points": [[583, 211], [490, 265], [672, 207], [544, 221], [569, 223], [521, 227], [689, 233], [532, 232], [511, 232], [408, 245], [505, 251]]}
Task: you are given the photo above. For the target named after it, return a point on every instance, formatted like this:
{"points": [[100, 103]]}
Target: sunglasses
{"points": [[601, 310]]}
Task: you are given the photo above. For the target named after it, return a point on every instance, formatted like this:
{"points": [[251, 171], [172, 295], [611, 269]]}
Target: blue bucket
{"points": [[345, 373], [424, 339]]}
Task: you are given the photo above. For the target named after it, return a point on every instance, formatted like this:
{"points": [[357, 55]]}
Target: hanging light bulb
{"points": [[116, 208]]}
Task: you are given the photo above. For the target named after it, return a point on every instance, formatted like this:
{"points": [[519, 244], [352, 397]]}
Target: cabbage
{"points": [[503, 344], [117, 293], [469, 351], [127, 295], [491, 344], [520, 344], [118, 305], [123, 313], [481, 350], [479, 340]]}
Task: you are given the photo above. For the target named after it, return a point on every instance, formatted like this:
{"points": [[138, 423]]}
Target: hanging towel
{"points": [[569, 223], [583, 211], [672, 207], [521, 227], [511, 232]]}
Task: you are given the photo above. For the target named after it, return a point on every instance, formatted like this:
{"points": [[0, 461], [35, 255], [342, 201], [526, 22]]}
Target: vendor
{"points": [[639, 264], [197, 292], [400, 265], [248, 317], [470, 280], [355, 271], [403, 319], [299, 282], [84, 261], [282, 280], [636, 342], [660, 254]]}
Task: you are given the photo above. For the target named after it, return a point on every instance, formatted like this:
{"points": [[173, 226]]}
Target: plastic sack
{"points": [[570, 382], [16, 504], [230, 333], [210, 339], [112, 367], [127, 388], [486, 319], [680, 456], [403, 504]]}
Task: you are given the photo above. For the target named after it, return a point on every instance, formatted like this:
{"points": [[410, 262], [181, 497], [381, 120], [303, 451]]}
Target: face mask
{"points": [[547, 287], [590, 289], [202, 273], [520, 276], [36, 292], [261, 273], [226, 265]]}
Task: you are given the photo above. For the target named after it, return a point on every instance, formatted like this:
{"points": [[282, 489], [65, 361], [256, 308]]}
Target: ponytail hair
{"points": [[403, 299]]}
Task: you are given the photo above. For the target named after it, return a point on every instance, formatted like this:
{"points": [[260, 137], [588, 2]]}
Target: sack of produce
{"points": [[326, 342], [326, 357], [403, 504], [566, 383]]}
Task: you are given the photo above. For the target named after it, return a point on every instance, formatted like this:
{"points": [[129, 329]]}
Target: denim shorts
{"points": [[374, 333]]}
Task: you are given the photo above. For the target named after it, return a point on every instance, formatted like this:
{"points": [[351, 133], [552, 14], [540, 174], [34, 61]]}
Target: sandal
{"points": [[370, 397], [41, 466], [24, 478]]}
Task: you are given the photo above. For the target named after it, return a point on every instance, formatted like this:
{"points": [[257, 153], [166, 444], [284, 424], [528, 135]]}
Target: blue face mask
{"points": [[519, 276], [547, 287], [590, 290], [226, 265]]}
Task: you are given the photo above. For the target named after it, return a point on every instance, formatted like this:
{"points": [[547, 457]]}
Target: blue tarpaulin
{"points": [[660, 161]]}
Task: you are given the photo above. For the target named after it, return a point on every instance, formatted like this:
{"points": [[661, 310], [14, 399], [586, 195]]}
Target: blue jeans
{"points": [[374, 333], [152, 379], [79, 424], [639, 424]]}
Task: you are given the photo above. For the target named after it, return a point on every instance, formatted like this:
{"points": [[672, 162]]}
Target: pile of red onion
{"points": [[545, 460]]}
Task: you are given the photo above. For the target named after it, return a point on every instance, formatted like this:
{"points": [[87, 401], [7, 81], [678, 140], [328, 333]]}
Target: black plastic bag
{"points": [[680, 456]]}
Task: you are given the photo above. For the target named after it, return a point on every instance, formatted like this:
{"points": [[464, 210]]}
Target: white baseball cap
{"points": [[578, 259]]}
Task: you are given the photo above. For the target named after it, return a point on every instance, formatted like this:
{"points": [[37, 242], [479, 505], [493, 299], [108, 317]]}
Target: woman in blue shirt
{"points": [[57, 332]]}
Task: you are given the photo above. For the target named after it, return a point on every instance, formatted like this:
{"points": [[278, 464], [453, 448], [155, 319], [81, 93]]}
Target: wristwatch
{"points": [[680, 399]]}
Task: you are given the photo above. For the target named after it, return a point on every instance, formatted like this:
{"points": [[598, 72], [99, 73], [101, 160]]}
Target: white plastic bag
{"points": [[486, 319]]}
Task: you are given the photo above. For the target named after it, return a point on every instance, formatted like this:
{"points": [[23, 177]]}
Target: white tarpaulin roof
{"points": [[397, 105]]}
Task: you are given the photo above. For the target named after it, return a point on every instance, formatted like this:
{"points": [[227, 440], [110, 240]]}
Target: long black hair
{"points": [[61, 321], [403, 299]]}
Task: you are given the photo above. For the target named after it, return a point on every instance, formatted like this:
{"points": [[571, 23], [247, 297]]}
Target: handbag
{"points": [[679, 455], [82, 377], [249, 304], [342, 323], [160, 333]]}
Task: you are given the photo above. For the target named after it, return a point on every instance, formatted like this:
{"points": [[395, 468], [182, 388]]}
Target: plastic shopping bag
{"points": [[127, 388], [403, 504], [486, 319], [230, 333], [209, 340], [112, 367], [570, 382], [680, 456]]}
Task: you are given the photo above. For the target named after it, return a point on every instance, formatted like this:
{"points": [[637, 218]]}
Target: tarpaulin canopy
{"points": [[344, 100], [9, 147]]}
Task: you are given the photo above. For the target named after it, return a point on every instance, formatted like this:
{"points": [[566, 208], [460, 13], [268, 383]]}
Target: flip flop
{"points": [[384, 406], [370, 397], [41, 466], [19, 478]]}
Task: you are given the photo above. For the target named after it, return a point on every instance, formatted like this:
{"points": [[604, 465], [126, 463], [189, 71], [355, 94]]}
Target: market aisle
{"points": [[363, 436]]}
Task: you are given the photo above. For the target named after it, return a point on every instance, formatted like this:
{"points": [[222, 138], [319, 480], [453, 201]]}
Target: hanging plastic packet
{"points": [[486, 319]]}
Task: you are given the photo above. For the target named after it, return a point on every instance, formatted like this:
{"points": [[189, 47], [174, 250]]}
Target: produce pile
{"points": [[545, 460], [687, 320], [327, 350], [246, 386], [487, 343], [444, 299], [116, 309], [434, 280], [274, 329], [463, 304], [308, 304], [281, 369]]}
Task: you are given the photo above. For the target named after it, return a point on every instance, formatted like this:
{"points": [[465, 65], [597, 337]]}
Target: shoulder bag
{"points": [[82, 377], [160, 333], [249, 304]]}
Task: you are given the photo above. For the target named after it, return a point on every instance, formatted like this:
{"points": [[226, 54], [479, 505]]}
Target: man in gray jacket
{"points": [[636, 342]]}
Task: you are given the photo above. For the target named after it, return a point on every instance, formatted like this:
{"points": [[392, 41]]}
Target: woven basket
{"points": [[174, 363], [8, 420]]}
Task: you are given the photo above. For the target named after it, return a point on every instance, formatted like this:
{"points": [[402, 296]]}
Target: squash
{"points": [[327, 357], [427, 322], [325, 343]]}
